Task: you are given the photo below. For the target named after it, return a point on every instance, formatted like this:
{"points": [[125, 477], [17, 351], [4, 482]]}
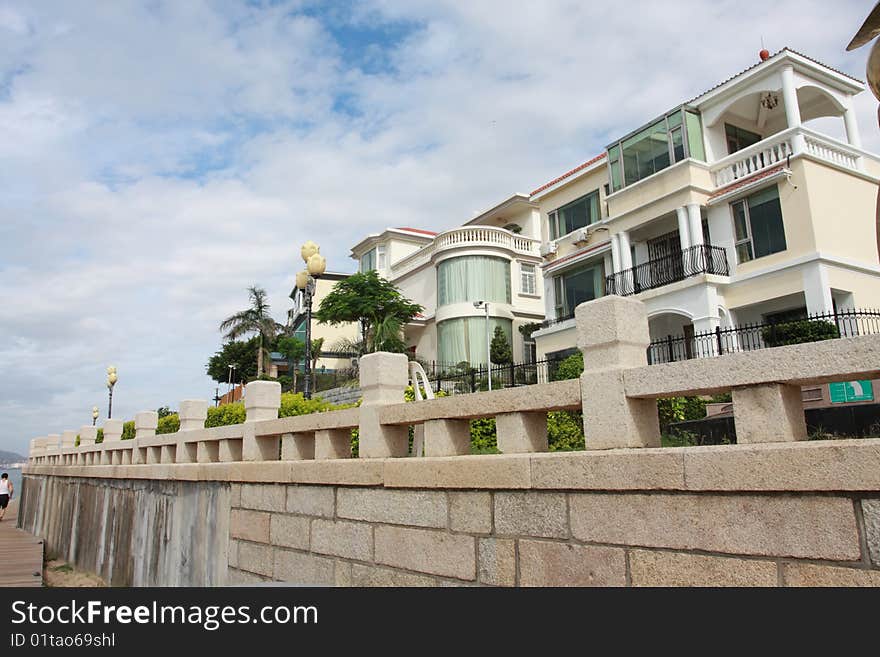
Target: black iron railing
{"points": [[557, 320], [463, 377], [700, 259], [749, 337]]}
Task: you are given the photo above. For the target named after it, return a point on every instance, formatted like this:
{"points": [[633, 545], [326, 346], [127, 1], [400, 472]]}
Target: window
{"points": [[530, 350], [574, 287], [786, 316], [527, 279], [368, 261], [673, 138], [577, 214], [758, 227], [373, 259], [464, 338], [473, 278], [738, 139]]}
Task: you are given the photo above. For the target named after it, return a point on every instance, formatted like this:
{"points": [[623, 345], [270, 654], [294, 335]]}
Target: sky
{"points": [[159, 157]]}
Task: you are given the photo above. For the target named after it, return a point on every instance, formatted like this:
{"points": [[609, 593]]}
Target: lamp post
{"points": [[485, 304], [232, 367], [306, 280], [111, 381], [94, 415]]}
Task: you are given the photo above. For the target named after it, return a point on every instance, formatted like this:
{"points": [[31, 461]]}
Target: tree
{"points": [[294, 350], [500, 348], [255, 319], [243, 354], [317, 347], [376, 303]]}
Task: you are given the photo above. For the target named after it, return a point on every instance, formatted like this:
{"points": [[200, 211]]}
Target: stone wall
{"points": [[795, 514], [343, 395], [132, 532]]}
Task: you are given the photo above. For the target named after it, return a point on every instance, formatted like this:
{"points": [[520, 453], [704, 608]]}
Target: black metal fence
{"points": [[699, 259], [749, 337], [464, 378]]}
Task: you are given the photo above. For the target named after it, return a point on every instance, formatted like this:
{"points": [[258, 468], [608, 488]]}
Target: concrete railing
{"points": [[617, 393]]}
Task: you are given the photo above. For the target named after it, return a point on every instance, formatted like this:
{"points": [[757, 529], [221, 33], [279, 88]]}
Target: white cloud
{"points": [[160, 157]]}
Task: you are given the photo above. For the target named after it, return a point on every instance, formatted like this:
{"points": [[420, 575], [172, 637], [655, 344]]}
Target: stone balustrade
{"points": [[617, 393]]}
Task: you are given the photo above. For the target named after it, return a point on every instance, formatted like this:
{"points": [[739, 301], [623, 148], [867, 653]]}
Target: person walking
{"points": [[5, 493]]}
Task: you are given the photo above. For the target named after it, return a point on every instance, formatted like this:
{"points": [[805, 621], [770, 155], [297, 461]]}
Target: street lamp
{"points": [[306, 280], [94, 415], [232, 367], [485, 304], [111, 381]]}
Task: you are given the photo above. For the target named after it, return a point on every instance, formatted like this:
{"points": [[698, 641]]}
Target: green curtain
{"points": [[464, 338], [473, 278]]}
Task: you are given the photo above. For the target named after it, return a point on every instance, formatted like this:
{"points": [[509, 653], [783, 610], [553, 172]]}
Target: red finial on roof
{"points": [[764, 55]]}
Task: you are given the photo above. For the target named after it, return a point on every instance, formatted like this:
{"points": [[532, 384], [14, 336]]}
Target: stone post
{"points": [[87, 435], [193, 413], [53, 442], [145, 424], [383, 379], [613, 336], [68, 438], [262, 399], [769, 413], [112, 431]]}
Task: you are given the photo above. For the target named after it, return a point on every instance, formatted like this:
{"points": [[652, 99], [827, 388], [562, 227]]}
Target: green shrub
{"points": [[128, 430], [483, 437], [168, 424], [565, 431], [679, 409], [221, 416], [570, 368], [296, 404], [100, 437], [804, 330]]}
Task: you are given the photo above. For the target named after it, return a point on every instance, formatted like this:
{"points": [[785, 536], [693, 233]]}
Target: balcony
{"points": [[693, 261], [776, 150], [468, 237]]}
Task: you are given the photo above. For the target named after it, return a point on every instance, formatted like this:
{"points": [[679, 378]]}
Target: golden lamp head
{"points": [[308, 250]]}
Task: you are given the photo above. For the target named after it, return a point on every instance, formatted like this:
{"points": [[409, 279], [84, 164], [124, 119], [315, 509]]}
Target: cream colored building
{"points": [[735, 207], [335, 337], [493, 258]]}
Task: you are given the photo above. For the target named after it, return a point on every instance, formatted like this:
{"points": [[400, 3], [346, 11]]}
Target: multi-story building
{"points": [[737, 206], [494, 258], [335, 352]]}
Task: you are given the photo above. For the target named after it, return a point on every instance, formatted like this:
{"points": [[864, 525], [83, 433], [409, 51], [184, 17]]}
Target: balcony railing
{"points": [[468, 236], [700, 259]]}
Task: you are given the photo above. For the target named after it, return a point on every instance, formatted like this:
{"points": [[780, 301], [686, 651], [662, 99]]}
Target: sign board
{"points": [[851, 391]]}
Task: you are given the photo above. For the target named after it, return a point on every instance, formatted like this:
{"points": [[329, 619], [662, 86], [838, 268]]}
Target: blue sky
{"points": [[156, 158]]}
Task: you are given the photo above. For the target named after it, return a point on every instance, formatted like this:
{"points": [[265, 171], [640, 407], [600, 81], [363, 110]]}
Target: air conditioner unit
{"points": [[548, 249], [582, 235]]}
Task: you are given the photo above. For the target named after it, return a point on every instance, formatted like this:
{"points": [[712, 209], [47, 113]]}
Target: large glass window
{"points": [[673, 138], [577, 214], [473, 278], [464, 338], [738, 139], [758, 226], [577, 286]]}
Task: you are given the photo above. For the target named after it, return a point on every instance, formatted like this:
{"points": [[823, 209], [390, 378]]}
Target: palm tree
{"points": [[255, 319]]}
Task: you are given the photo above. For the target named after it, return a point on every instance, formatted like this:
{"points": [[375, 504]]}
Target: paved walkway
{"points": [[21, 554]]}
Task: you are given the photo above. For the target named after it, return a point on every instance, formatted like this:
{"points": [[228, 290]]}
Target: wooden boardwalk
{"points": [[21, 554]]}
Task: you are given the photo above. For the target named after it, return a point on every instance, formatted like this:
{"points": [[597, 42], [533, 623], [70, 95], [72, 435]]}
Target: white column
{"points": [[683, 230], [852, 127], [792, 109], [615, 253], [817, 291], [625, 250], [695, 221]]}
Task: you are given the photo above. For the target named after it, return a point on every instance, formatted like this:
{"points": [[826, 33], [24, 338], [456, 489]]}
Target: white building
{"points": [[493, 258], [737, 206]]}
